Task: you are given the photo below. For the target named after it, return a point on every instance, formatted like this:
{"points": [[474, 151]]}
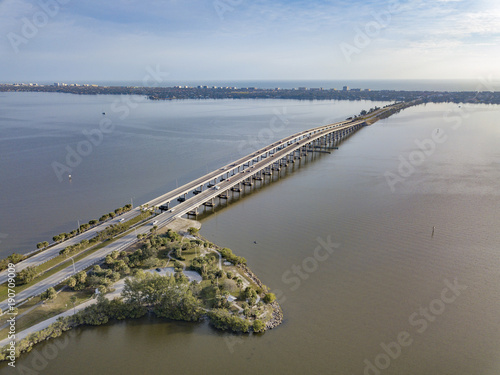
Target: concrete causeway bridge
{"points": [[252, 168], [204, 191], [265, 161]]}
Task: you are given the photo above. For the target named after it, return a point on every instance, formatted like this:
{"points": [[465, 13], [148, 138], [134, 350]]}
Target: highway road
{"points": [[53, 251], [91, 259]]}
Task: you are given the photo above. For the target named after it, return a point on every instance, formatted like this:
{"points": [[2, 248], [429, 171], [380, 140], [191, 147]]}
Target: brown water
{"points": [[370, 289]]}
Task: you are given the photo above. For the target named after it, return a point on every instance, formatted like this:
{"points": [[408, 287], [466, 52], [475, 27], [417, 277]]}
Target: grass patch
{"points": [[45, 311]]}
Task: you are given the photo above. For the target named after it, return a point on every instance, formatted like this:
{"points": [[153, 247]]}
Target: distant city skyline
{"points": [[119, 40]]}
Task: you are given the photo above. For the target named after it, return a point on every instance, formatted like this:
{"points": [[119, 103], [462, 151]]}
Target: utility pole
{"points": [[74, 269]]}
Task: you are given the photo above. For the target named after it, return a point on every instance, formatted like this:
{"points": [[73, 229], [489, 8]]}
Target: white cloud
{"points": [[255, 39]]}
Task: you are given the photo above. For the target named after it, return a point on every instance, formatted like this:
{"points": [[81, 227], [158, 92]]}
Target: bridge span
{"points": [[265, 161]]}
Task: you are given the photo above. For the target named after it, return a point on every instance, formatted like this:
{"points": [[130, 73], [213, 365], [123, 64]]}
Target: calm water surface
{"points": [[342, 309]]}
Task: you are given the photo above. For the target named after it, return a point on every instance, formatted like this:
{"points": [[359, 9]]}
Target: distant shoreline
{"points": [[301, 93]]}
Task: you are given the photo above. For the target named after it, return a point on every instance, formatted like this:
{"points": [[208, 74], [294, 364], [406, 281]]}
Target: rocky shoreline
{"points": [[277, 317]]}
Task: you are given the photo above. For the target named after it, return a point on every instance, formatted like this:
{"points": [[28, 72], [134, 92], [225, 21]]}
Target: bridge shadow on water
{"points": [[234, 198]]}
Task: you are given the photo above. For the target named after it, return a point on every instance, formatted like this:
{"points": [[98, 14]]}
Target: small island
{"points": [[173, 273]]}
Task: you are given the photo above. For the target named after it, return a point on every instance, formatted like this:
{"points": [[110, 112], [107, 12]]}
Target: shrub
{"points": [[269, 298], [223, 319], [259, 326]]}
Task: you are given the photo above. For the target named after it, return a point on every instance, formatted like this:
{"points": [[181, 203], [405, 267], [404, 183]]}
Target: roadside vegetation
{"points": [[16, 258]]}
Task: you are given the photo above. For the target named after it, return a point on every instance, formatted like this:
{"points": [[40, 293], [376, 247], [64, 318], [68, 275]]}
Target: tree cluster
{"points": [[167, 296], [223, 319], [49, 295], [98, 278], [228, 254], [27, 275], [105, 310], [13, 258]]}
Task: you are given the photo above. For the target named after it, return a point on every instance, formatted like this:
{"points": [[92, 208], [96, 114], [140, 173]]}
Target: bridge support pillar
{"points": [[210, 203]]}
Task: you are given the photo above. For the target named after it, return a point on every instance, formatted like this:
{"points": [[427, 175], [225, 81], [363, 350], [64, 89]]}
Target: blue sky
{"points": [[241, 39]]}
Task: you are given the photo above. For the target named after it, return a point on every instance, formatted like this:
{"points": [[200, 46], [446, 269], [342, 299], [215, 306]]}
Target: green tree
{"points": [[119, 265], [258, 326], [109, 260], [178, 303], [192, 231], [249, 292], [178, 254], [223, 319], [84, 227], [66, 251], [81, 277], [269, 298], [102, 289], [239, 283], [93, 281], [15, 258], [178, 267], [71, 282], [251, 300], [26, 275], [150, 262], [49, 295]]}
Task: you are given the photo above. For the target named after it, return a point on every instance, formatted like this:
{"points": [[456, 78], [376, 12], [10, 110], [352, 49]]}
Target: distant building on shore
{"points": [[345, 88]]}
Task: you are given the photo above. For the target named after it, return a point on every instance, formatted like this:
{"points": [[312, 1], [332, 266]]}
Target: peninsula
{"points": [[300, 93]]}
